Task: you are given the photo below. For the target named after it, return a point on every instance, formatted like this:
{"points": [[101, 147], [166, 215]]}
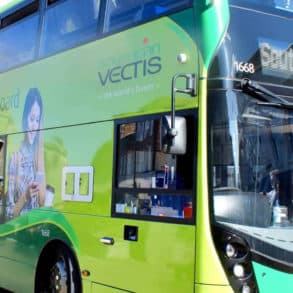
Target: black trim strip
{"points": [[20, 14], [223, 83], [275, 257], [271, 262]]}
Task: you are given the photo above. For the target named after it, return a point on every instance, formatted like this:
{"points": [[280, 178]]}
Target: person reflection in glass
{"points": [[269, 185], [26, 182]]}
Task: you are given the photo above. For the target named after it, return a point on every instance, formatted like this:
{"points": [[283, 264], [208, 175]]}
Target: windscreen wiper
{"points": [[269, 98]]}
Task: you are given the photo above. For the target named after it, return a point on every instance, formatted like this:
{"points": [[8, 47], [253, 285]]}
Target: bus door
{"points": [[149, 243]]}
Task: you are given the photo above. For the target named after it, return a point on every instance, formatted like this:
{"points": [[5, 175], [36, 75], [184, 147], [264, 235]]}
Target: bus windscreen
{"points": [[283, 5]]}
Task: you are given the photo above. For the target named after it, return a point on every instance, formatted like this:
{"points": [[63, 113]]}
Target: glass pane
{"points": [[123, 13], [18, 42], [68, 24], [252, 159], [120, 13], [154, 204], [141, 164], [7, 7], [279, 4]]}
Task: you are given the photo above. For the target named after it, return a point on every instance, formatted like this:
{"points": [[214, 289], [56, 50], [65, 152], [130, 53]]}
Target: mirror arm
{"points": [[190, 89]]}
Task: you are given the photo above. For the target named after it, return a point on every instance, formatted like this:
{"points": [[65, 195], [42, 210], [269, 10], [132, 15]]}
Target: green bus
{"points": [[146, 146]]}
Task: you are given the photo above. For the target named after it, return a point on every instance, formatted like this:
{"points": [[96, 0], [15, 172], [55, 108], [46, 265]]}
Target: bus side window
{"points": [[121, 13], [149, 182], [156, 8], [68, 24], [18, 35], [126, 13]]}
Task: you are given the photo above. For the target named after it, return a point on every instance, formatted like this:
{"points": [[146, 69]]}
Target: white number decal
{"points": [[244, 67]]}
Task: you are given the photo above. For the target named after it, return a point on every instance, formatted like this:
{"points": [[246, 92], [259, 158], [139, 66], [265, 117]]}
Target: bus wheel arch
{"points": [[57, 269]]}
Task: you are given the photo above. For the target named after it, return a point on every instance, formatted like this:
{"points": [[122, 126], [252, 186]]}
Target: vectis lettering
{"points": [[134, 70]]}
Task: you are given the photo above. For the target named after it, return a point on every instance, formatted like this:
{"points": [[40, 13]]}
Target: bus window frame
{"points": [[191, 192], [19, 13], [19, 22], [143, 20], [100, 22]]}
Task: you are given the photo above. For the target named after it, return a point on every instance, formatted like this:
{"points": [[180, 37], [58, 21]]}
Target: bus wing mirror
{"points": [[173, 140]]}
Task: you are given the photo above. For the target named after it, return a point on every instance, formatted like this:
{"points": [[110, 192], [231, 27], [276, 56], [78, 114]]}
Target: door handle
{"points": [[107, 240]]}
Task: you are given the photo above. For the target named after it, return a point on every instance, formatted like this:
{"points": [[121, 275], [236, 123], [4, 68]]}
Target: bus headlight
{"points": [[235, 256], [246, 289], [230, 250], [238, 270]]}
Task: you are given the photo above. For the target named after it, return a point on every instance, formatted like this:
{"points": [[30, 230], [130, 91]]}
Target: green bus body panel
{"points": [[82, 145], [85, 88], [212, 22], [77, 82], [99, 288], [132, 69], [271, 280], [162, 259], [23, 239], [203, 288]]}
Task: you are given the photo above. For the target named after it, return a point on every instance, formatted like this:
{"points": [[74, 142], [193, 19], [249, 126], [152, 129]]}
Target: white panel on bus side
{"points": [[77, 183]]}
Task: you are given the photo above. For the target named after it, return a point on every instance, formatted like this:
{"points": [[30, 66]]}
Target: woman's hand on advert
{"points": [[32, 190]]}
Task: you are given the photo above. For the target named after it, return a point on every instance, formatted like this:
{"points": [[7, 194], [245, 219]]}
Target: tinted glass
{"points": [[277, 6], [252, 143], [18, 42], [152, 183], [252, 167], [68, 24], [125, 13], [255, 52]]}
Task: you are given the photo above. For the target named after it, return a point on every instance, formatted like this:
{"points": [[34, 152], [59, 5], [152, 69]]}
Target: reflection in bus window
{"points": [[18, 42], [121, 14], [68, 24], [152, 183], [252, 161]]}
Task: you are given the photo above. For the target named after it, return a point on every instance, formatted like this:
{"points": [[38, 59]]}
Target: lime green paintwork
{"points": [[167, 257], [142, 266], [271, 280], [205, 288], [22, 240], [212, 23], [98, 288], [67, 79], [208, 270], [213, 20], [71, 80]]}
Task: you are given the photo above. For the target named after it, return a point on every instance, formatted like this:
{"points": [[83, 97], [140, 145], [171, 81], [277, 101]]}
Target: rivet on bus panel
{"points": [[182, 58]]}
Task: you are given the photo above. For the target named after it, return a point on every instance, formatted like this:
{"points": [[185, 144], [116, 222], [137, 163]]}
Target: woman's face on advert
{"points": [[33, 122]]}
